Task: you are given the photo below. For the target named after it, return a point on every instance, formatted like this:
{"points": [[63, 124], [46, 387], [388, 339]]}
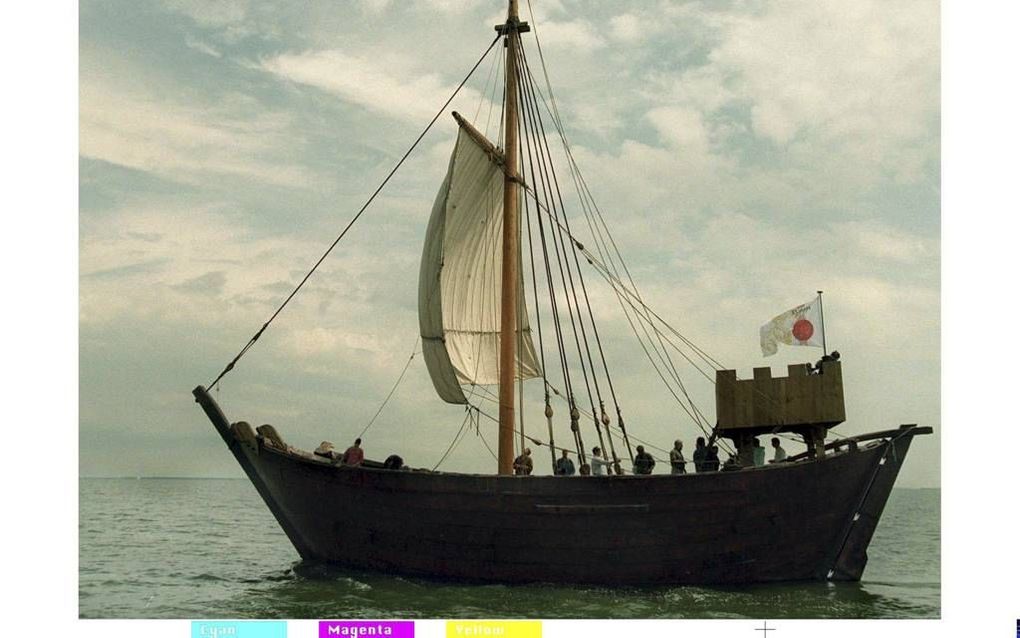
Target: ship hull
{"points": [[805, 520]]}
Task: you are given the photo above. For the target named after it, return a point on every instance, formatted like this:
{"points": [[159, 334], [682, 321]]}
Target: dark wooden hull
{"points": [[811, 519]]}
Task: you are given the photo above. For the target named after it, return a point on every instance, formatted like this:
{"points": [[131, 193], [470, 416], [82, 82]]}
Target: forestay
{"points": [[459, 281]]}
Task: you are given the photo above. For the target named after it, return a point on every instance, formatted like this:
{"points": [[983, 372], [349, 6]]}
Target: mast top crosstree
{"points": [[512, 25]]}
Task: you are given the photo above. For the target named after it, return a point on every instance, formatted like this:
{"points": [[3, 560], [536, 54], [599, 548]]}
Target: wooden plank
{"points": [[764, 404]]}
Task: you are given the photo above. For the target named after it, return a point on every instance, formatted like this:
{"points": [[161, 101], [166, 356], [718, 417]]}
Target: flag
{"points": [[801, 326]]}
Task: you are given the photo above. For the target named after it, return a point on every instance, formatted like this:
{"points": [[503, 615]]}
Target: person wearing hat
{"points": [[326, 450]]}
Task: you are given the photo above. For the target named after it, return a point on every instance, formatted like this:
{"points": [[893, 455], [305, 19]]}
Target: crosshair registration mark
{"points": [[765, 629]]}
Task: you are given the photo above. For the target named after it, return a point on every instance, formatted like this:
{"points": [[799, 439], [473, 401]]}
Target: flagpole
{"points": [[821, 312]]}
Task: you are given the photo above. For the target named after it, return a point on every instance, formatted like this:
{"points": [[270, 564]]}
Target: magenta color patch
{"points": [[366, 629]]}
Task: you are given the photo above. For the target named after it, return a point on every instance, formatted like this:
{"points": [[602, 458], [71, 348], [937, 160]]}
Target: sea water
{"points": [[201, 548]]}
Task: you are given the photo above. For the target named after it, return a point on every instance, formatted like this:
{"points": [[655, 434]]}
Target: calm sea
{"points": [[197, 548]]}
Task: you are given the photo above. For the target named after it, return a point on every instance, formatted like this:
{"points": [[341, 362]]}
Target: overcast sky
{"points": [[745, 154]]}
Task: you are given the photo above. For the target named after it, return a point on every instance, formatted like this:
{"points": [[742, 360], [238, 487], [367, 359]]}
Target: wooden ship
{"points": [[810, 516]]}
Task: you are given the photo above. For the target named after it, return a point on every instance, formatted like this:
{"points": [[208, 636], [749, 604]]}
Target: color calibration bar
{"points": [[367, 629]]}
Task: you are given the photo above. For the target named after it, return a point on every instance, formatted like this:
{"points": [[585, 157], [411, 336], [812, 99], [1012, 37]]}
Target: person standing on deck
{"points": [[522, 464], [564, 466], [759, 453], [676, 458], [780, 452], [354, 455], [599, 465], [700, 455], [643, 461], [712, 458]]}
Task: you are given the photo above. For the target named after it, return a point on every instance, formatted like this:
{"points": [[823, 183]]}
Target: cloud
{"points": [[859, 81], [449, 6], [793, 111], [322, 343], [201, 47], [374, 6], [640, 24], [878, 241], [137, 128], [212, 13], [396, 88], [577, 36], [682, 127], [210, 268], [626, 27], [211, 283], [231, 20]]}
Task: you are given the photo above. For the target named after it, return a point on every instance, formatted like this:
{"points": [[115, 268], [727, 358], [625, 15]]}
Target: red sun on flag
{"points": [[803, 329]]}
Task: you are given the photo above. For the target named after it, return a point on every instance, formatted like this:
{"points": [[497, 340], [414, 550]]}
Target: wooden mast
{"points": [[508, 308]]}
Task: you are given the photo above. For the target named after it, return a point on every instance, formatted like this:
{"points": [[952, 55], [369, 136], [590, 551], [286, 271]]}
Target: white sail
{"points": [[459, 281]]}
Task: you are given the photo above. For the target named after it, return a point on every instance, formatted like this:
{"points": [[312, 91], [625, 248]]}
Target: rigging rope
{"points": [[629, 297], [586, 197], [633, 299], [538, 441], [394, 388], [536, 115], [485, 91], [553, 109], [584, 192], [550, 285], [456, 438], [534, 440], [547, 183], [251, 342], [559, 247], [478, 431]]}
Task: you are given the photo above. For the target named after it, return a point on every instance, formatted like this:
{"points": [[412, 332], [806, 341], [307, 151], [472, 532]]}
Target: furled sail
{"points": [[459, 281]]}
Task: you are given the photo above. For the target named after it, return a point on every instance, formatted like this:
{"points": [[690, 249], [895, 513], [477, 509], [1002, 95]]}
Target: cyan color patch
{"points": [[238, 629]]}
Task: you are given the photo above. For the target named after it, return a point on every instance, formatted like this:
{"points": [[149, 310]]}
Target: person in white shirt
{"points": [[780, 452], [599, 465]]}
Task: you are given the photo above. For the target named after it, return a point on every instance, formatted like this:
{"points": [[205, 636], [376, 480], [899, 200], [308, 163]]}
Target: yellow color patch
{"points": [[493, 629]]}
